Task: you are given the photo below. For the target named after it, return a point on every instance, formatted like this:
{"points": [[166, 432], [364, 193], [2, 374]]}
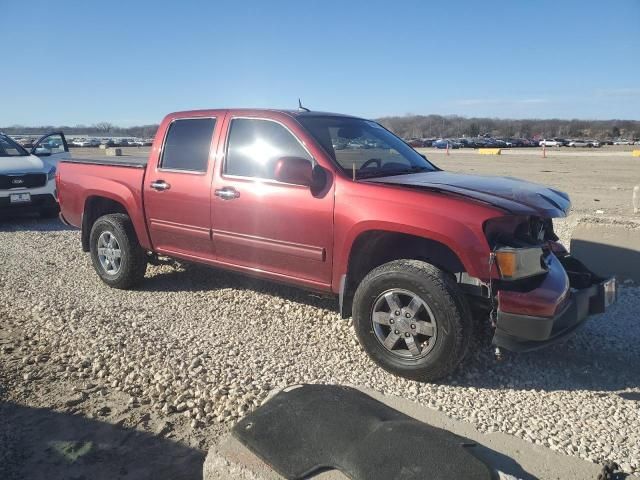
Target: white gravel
{"points": [[210, 345]]}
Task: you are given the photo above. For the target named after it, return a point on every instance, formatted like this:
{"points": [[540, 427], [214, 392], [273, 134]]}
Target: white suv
{"points": [[27, 179]]}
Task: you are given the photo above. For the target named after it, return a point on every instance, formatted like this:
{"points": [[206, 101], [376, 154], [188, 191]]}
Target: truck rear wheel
{"points": [[412, 319], [116, 255]]}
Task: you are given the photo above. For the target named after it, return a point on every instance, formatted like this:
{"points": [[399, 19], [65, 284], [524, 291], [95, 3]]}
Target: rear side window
{"points": [[256, 145], [187, 145]]}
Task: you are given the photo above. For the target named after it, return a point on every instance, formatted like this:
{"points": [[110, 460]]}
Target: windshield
{"points": [[364, 146], [9, 148]]}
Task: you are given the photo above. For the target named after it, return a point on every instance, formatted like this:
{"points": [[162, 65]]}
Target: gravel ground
{"points": [[194, 349]]}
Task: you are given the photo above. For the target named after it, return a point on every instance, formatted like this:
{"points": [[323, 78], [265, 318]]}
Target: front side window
{"points": [[9, 148], [187, 145], [255, 146], [364, 146], [51, 144]]}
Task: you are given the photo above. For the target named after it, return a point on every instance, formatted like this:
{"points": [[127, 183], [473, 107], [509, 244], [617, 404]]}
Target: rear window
{"points": [[187, 145]]}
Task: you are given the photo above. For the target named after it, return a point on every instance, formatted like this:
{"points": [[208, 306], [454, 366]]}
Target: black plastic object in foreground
{"points": [[314, 427]]}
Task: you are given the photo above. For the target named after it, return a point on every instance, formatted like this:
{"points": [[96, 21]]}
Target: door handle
{"points": [[160, 185], [227, 193]]}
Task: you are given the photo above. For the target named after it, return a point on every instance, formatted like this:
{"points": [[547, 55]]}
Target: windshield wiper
{"points": [[388, 173]]}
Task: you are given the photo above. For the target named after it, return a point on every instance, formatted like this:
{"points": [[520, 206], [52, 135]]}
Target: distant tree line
{"points": [[412, 126], [102, 129], [435, 126]]}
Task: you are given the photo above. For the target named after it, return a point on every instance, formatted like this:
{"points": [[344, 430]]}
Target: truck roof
{"points": [[292, 113]]}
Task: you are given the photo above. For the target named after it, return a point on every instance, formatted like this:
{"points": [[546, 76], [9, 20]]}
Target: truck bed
{"points": [[128, 161], [82, 180]]}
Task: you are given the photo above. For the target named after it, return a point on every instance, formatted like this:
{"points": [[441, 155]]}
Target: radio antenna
{"points": [[301, 108]]}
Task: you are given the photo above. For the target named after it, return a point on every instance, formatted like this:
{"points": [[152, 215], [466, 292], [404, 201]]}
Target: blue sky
{"points": [[131, 62]]}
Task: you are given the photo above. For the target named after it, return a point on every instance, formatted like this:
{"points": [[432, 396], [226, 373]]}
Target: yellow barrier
{"points": [[636, 153], [489, 151]]}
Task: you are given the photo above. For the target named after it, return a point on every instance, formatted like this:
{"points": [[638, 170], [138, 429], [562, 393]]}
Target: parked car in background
{"points": [[27, 178], [26, 142], [467, 143], [85, 142], [579, 143], [406, 247], [444, 143], [517, 142], [550, 143], [594, 143], [622, 141]]}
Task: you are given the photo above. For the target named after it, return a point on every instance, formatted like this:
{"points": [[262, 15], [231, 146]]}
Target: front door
{"points": [[265, 225], [177, 188], [53, 147]]}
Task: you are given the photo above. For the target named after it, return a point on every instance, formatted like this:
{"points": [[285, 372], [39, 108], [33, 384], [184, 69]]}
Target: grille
{"points": [[28, 180]]}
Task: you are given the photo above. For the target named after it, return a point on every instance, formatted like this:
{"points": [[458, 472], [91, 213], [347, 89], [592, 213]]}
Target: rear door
{"points": [[264, 225], [177, 188]]}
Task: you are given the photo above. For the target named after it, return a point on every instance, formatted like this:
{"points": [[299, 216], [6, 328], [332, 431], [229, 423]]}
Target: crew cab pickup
{"points": [[340, 205]]}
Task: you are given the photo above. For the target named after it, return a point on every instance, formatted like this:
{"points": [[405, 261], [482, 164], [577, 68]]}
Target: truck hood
{"points": [[30, 164], [516, 196]]}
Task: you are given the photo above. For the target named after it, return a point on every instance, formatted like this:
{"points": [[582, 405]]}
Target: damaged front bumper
{"points": [[554, 309]]}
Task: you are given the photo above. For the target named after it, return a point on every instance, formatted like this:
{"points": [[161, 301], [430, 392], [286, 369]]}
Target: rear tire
{"points": [[116, 254], [443, 319]]}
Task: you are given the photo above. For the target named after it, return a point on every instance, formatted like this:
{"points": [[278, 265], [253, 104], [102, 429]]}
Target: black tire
{"points": [[133, 260], [446, 302]]}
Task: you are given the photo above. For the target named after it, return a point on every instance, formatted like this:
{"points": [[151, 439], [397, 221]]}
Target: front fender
{"points": [[451, 221]]}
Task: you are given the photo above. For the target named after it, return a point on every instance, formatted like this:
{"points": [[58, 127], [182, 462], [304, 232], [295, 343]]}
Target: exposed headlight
{"points": [[51, 174], [516, 263]]}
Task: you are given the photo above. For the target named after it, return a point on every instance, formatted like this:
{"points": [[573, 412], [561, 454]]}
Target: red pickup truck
{"points": [[339, 205]]}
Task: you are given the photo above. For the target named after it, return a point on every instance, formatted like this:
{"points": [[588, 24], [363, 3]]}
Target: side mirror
{"points": [[41, 152], [297, 171]]}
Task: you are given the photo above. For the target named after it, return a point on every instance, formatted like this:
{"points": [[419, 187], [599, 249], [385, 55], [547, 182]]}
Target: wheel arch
{"points": [[372, 248], [96, 206]]}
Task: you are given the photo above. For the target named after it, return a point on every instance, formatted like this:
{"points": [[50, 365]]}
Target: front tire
{"points": [[412, 319], [116, 254]]}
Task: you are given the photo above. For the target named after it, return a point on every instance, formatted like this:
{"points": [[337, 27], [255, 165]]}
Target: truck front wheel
{"points": [[412, 319], [116, 255]]}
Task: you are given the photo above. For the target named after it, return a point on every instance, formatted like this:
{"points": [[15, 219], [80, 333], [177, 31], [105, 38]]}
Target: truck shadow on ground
{"points": [[31, 223], [191, 277], [38, 443], [585, 362]]}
